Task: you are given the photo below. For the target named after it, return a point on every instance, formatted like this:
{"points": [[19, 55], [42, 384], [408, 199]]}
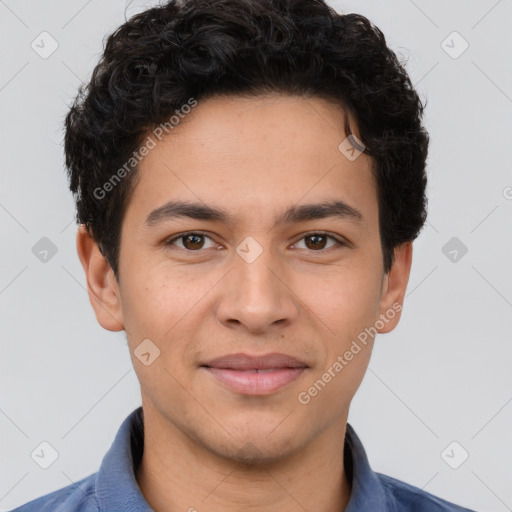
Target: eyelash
{"points": [[339, 241]]}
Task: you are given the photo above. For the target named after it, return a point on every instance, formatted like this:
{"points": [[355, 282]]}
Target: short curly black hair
{"points": [[157, 60]]}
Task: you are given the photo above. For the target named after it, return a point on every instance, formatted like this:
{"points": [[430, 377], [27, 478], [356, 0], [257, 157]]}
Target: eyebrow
{"points": [[294, 214]]}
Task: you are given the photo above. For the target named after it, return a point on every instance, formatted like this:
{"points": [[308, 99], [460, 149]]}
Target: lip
{"points": [[242, 361], [255, 375]]}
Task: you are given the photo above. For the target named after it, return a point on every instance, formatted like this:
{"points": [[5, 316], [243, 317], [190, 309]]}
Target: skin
{"points": [[207, 447]]}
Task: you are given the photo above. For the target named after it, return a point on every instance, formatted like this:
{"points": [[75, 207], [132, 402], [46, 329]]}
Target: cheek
{"points": [[331, 391], [346, 300], [346, 308], [163, 305], [150, 306], [154, 309]]}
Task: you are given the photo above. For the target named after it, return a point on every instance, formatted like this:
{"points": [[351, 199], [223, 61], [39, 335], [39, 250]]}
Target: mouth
{"points": [[255, 375]]}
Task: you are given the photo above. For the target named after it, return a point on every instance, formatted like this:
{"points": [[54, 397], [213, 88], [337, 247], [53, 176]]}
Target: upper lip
{"points": [[243, 361]]}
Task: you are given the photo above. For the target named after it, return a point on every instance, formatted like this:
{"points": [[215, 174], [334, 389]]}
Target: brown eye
{"points": [[318, 241], [192, 242]]}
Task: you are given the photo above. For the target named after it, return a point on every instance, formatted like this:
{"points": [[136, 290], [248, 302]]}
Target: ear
{"points": [[394, 286], [102, 285]]}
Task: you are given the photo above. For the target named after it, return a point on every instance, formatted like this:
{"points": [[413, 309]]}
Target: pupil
{"points": [[318, 241], [317, 237], [195, 243]]}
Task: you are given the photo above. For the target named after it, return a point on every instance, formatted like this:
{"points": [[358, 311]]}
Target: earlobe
{"points": [[394, 287], [102, 285]]}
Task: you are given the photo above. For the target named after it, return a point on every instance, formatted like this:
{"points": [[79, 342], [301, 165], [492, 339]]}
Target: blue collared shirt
{"points": [[114, 487]]}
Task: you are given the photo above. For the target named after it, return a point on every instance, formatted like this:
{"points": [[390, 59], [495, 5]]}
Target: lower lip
{"points": [[256, 383]]}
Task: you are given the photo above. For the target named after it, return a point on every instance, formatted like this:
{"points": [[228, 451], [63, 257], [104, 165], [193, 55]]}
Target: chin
{"points": [[257, 446]]}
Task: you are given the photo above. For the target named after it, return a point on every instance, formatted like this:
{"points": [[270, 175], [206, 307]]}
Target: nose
{"points": [[257, 297]]}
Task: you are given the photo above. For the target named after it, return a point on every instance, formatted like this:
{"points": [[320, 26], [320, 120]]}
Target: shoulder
{"points": [[77, 497], [410, 498]]}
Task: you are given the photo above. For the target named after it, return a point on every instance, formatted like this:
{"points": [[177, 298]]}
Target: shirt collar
{"points": [[117, 488], [367, 492]]}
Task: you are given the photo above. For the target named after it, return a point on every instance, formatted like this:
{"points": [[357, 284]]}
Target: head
{"points": [[239, 114]]}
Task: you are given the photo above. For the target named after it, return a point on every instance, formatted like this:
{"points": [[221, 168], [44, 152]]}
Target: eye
{"points": [[191, 241], [318, 241], [194, 241]]}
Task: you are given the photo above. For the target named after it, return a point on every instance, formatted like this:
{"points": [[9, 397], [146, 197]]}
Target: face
{"points": [[263, 272]]}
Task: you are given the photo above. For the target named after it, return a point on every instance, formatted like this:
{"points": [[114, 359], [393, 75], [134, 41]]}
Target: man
{"points": [[249, 177]]}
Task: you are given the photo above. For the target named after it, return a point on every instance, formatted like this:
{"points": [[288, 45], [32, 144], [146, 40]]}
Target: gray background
{"points": [[443, 375]]}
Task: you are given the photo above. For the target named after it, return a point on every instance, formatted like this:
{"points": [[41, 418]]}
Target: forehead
{"points": [[254, 154]]}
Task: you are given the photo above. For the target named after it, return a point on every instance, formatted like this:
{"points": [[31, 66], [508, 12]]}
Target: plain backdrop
{"points": [[439, 387]]}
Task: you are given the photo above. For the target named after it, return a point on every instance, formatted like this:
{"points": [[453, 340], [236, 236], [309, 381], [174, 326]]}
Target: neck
{"points": [[177, 473]]}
